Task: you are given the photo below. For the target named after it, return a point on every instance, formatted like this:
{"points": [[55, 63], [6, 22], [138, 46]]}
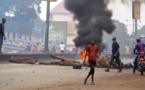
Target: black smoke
{"points": [[93, 17]]}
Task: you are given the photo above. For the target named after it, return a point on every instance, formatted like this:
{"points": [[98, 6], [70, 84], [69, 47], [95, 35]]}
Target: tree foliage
{"points": [[21, 15], [141, 31]]}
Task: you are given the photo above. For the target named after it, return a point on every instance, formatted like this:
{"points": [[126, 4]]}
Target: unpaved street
{"points": [[41, 77]]}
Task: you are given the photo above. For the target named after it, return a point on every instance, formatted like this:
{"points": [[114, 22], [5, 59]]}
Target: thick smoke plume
{"points": [[93, 17]]}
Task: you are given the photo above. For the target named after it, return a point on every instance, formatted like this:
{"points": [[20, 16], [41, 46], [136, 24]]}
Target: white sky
{"points": [[43, 8], [120, 12], [123, 12]]}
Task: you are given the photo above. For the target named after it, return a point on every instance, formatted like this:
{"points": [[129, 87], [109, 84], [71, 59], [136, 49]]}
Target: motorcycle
{"points": [[141, 64]]}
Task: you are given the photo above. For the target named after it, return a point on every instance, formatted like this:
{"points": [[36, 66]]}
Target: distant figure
{"points": [[131, 49], [21, 49], [37, 48], [115, 55], [32, 49], [28, 49], [127, 49], [42, 48], [92, 53], [2, 34], [62, 47], [53, 49]]}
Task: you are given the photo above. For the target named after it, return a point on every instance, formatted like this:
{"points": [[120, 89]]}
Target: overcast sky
{"points": [[43, 8], [121, 12]]}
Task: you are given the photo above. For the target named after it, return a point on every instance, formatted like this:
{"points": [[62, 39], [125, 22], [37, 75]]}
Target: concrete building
{"points": [[14, 41], [59, 13]]}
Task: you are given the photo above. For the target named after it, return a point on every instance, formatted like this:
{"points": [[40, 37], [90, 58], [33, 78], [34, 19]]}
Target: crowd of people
{"points": [[32, 49], [39, 48]]}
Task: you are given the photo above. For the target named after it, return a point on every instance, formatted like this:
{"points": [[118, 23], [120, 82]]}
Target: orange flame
{"points": [[82, 56]]}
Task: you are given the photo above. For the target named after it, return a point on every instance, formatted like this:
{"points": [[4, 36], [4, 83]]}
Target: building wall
{"points": [[15, 41], [61, 17], [71, 32]]}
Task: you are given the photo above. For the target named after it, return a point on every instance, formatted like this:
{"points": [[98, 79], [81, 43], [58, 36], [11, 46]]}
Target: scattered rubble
{"points": [[102, 62], [65, 61], [45, 62], [26, 60]]}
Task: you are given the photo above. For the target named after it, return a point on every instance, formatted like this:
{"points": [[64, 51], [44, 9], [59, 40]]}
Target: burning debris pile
{"points": [[102, 62], [93, 17]]}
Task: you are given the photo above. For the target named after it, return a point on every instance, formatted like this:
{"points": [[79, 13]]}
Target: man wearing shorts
{"points": [[2, 33], [92, 53]]}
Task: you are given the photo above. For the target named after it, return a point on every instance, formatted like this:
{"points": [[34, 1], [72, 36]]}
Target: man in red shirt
{"points": [[92, 53]]}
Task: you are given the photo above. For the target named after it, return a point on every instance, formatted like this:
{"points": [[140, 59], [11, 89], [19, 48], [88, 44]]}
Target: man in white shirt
{"points": [[62, 47]]}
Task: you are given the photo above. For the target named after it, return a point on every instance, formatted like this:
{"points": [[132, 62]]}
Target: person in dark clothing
{"points": [[92, 53], [2, 34], [115, 55]]}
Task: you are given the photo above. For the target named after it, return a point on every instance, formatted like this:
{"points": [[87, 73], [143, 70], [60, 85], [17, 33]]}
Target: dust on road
{"points": [[41, 77]]}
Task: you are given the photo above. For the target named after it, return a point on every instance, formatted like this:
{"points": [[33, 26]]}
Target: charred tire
{"points": [[77, 66]]}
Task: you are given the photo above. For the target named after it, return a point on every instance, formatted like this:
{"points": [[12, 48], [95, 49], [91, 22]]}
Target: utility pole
{"points": [[46, 50], [136, 29], [136, 26]]}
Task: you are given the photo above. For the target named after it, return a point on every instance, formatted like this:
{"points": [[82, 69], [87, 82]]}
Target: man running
{"points": [[92, 53], [115, 55], [2, 33]]}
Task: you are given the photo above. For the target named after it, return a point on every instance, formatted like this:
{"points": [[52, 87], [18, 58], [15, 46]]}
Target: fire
{"points": [[82, 56]]}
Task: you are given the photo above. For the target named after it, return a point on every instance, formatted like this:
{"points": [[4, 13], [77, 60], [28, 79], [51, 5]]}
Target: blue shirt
{"points": [[140, 48]]}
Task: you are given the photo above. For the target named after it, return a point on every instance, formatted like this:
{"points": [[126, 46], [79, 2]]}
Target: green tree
{"points": [[21, 15]]}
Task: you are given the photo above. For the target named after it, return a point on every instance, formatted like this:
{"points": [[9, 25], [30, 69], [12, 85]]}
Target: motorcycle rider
{"points": [[140, 51]]}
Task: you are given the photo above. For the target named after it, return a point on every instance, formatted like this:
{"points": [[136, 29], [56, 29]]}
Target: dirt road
{"points": [[39, 77]]}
